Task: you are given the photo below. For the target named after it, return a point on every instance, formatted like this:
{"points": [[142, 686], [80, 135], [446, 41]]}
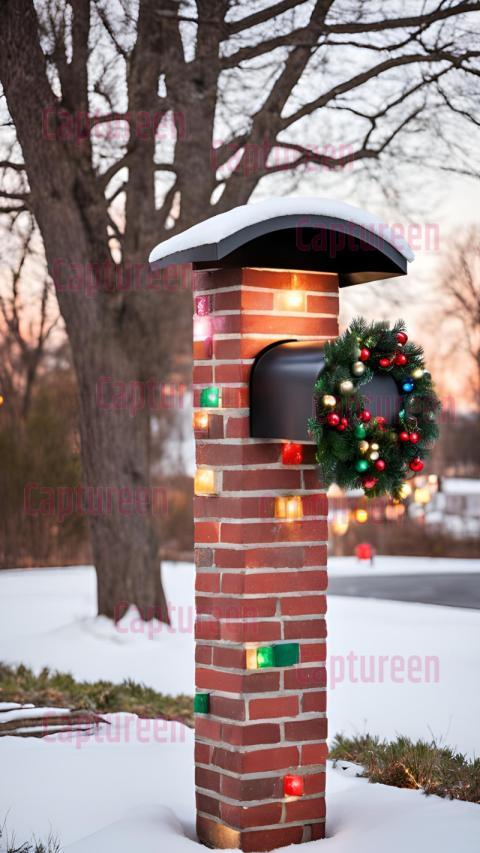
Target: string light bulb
{"points": [[205, 482], [289, 507]]}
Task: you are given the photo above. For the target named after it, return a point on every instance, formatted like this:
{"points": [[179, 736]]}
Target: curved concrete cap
{"points": [[318, 234]]}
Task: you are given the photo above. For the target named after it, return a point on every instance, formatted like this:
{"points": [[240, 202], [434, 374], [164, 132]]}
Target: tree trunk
{"points": [[118, 497]]}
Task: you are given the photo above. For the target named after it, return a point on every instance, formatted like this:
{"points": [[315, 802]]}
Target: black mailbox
{"points": [[282, 384]]}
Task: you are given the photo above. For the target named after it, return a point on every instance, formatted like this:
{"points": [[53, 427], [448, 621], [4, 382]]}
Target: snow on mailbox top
{"points": [[315, 234]]}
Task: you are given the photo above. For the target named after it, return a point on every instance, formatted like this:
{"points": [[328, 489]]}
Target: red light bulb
{"points": [[293, 786], [292, 454]]}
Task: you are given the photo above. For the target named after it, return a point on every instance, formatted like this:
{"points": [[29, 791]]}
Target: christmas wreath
{"points": [[354, 448]]}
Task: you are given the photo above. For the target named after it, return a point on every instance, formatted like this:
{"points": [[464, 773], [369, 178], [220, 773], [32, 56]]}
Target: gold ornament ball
{"points": [[363, 446], [346, 386], [329, 401], [374, 455], [418, 373], [358, 368], [375, 446]]}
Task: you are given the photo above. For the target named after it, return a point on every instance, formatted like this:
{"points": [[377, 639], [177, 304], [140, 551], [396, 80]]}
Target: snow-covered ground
{"points": [[428, 683], [130, 787], [136, 794]]}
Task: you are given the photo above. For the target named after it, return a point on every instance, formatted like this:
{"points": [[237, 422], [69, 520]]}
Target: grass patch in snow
{"points": [[404, 763], [8, 843], [60, 689]]}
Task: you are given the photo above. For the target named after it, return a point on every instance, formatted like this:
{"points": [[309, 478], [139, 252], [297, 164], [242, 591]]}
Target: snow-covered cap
{"points": [[319, 234]]}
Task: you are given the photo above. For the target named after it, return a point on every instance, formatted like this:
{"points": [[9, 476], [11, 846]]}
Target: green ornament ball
{"points": [[361, 465], [360, 431]]}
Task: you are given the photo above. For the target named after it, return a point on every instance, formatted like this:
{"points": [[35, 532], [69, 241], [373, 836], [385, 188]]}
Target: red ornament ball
{"points": [[364, 354], [381, 421], [333, 419], [414, 437], [404, 436], [416, 464], [365, 416], [384, 362], [341, 427], [344, 422], [402, 338], [400, 359], [380, 465], [369, 482]]}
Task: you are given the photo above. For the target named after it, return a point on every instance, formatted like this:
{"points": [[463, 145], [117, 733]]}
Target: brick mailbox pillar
{"points": [[260, 723], [260, 514]]}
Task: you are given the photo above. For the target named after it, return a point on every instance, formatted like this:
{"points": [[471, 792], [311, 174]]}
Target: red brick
{"points": [[304, 677], [203, 557], [207, 629], [250, 632], [202, 350], [322, 304], [268, 839], [228, 657], [252, 789], [278, 279], [232, 709], [238, 427], [210, 279], [318, 831], [265, 531], [314, 783], [261, 479], [305, 629], [207, 804], [314, 753], [261, 760], [207, 728], [251, 735], [274, 582], [313, 652], [316, 701], [211, 679], [315, 729], [302, 605], [203, 753], [207, 531], [290, 324], [215, 426], [207, 582], [236, 372], [204, 654], [261, 681], [233, 507], [236, 608], [235, 454], [291, 557], [315, 555], [202, 374], [301, 809], [279, 706], [208, 779], [241, 816]]}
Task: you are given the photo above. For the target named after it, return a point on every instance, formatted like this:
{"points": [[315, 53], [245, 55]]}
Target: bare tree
{"points": [[25, 330], [241, 88]]}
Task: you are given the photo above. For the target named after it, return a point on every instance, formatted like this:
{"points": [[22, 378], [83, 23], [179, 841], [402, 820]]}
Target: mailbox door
{"points": [[282, 383]]}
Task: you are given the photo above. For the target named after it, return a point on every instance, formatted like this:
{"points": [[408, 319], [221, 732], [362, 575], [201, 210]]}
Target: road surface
{"points": [[453, 590]]}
